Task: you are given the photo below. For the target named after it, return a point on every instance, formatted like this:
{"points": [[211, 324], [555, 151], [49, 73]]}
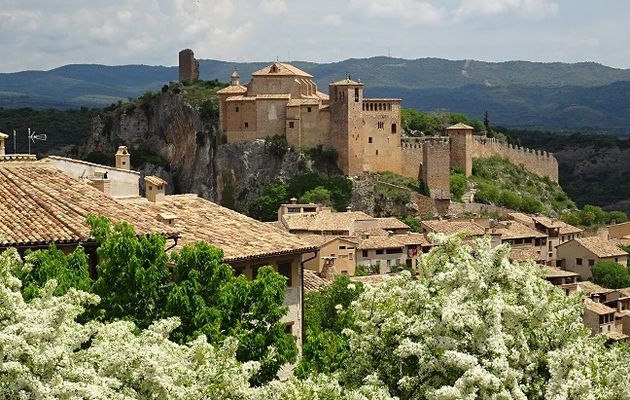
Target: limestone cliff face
{"points": [[192, 160]]}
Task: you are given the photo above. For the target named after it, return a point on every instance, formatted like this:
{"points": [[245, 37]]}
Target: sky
{"points": [[44, 34]]}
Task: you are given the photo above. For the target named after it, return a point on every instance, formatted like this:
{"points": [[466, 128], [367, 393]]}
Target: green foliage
{"points": [[458, 183], [327, 313], [413, 222], [397, 188], [136, 283], [319, 195], [610, 274], [592, 216], [265, 207], [64, 127], [415, 122], [132, 274], [277, 144], [70, 271], [502, 183], [340, 187]]}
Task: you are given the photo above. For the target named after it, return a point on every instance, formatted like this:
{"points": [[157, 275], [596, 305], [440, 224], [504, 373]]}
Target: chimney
{"points": [[123, 158], [101, 182], [328, 269], [154, 188], [3, 137], [167, 218], [349, 208], [293, 200]]}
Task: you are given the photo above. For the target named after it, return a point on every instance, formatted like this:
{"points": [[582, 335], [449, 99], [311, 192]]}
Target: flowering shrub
{"points": [[476, 326]]}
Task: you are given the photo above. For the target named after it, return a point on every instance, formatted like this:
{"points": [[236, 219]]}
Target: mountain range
{"points": [[587, 97]]}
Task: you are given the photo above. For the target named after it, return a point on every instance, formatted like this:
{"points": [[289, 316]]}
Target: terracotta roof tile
{"points": [[460, 126], [40, 204], [450, 227], [281, 69], [233, 89], [554, 272], [597, 308], [592, 288], [239, 236], [324, 221], [598, 246], [313, 282], [516, 230], [522, 254]]}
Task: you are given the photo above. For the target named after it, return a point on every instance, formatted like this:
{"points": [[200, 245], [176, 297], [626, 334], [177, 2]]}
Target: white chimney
{"points": [[123, 158], [155, 188], [3, 137]]}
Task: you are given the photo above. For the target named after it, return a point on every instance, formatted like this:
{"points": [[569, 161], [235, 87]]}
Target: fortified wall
{"points": [[430, 159], [537, 162]]}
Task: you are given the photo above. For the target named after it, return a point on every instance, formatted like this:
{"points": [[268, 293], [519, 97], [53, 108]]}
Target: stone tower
{"points": [[461, 146], [436, 168], [346, 102], [123, 158], [188, 66]]}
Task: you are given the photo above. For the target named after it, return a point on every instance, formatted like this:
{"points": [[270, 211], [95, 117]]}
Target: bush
{"points": [[278, 145], [510, 199], [319, 195], [265, 207], [610, 274], [458, 184]]}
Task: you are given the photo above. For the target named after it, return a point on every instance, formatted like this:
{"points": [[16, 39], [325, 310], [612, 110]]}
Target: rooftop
{"points": [[347, 81], [516, 230], [313, 282], [590, 288], [554, 272], [450, 227], [233, 89], [324, 221], [239, 236], [597, 308], [40, 204], [600, 247], [459, 126], [281, 69]]}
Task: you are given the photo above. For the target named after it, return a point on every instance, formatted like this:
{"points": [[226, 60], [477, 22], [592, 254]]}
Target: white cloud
{"points": [[274, 7], [411, 11], [333, 20], [535, 9]]}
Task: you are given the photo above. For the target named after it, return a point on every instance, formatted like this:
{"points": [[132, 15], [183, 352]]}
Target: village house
{"points": [[43, 205], [566, 280], [557, 231], [581, 254], [619, 231]]}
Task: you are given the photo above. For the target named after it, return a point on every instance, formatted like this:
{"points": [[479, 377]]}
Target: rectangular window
{"points": [[285, 270], [308, 109], [288, 327], [365, 253], [246, 124], [578, 261], [591, 262], [394, 251], [342, 247], [356, 95], [393, 128], [291, 124], [369, 140], [379, 251], [616, 259], [237, 109]]}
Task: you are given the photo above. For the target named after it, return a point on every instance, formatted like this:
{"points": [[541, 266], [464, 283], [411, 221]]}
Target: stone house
{"points": [[619, 231], [523, 240], [556, 230], [580, 254], [566, 280]]}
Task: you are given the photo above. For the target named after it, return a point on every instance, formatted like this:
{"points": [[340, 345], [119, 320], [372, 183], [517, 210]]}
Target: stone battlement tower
{"points": [[188, 66]]}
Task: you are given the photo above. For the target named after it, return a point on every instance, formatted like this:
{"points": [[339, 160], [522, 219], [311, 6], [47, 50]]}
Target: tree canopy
{"points": [[610, 274]]}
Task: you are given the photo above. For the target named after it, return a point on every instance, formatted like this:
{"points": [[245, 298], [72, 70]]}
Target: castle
{"points": [[283, 100]]}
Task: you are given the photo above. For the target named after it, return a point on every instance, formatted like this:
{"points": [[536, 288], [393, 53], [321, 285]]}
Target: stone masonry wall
{"points": [[436, 167], [411, 158], [537, 162]]}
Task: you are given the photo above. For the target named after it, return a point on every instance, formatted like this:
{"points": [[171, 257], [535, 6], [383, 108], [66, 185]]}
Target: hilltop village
{"points": [[49, 201]]}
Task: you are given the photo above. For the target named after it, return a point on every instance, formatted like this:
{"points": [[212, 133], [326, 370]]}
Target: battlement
{"points": [[538, 162]]}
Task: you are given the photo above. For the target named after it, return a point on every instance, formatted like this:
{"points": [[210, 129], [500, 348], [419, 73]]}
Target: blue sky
{"points": [[43, 34]]}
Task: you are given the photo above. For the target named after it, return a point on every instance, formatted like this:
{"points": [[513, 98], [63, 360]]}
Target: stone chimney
{"points": [[167, 218], [101, 182], [293, 200], [328, 269], [123, 158], [154, 188], [3, 137]]}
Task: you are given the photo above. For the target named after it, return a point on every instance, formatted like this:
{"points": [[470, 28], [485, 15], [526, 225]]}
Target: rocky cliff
{"points": [[168, 137]]}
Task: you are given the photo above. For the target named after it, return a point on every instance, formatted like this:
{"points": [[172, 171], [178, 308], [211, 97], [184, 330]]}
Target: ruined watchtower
{"points": [[461, 146], [188, 66]]}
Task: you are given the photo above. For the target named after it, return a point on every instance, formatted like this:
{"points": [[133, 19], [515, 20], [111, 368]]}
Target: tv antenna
{"points": [[33, 136]]}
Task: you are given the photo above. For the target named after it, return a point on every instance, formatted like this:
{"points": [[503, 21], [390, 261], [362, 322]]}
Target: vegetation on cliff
{"points": [[499, 182]]}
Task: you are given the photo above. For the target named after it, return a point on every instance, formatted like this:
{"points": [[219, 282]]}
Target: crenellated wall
{"points": [[537, 162], [411, 157]]}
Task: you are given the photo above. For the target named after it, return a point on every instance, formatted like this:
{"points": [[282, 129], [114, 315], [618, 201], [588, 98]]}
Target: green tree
{"points": [[610, 274], [70, 271], [319, 195], [413, 223], [133, 272], [458, 183], [327, 313], [265, 207]]}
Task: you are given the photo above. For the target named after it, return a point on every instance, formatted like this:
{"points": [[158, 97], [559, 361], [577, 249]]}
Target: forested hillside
{"points": [[556, 96]]}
